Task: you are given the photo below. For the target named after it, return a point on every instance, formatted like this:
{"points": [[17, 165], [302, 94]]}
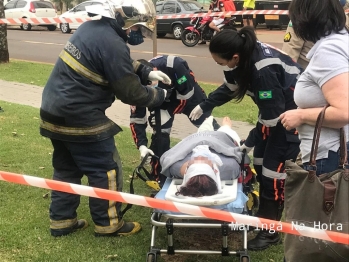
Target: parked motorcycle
{"points": [[200, 30]]}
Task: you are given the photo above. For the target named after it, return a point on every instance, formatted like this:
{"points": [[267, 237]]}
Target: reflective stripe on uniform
{"points": [[134, 120], [257, 161], [268, 123], [232, 87], [185, 97], [112, 213], [163, 130], [82, 70], [170, 61], [166, 130], [114, 223], [76, 131], [272, 174], [272, 61], [61, 224], [249, 93]]}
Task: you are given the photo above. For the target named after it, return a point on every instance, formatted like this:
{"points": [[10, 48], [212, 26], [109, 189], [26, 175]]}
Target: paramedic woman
{"points": [[268, 76]]}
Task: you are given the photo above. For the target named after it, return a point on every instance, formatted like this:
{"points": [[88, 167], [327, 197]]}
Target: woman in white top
{"points": [[325, 80]]}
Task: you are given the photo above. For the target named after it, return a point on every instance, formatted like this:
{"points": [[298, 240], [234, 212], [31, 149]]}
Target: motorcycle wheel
{"points": [[190, 38]]}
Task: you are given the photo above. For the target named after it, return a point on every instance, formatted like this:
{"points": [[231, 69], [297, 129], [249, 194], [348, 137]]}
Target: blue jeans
{"points": [[326, 165]]}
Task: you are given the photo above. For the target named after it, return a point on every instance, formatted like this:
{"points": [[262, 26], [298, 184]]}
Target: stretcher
{"points": [[237, 196]]}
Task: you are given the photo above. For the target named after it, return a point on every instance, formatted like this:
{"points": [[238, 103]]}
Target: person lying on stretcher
{"points": [[204, 159]]}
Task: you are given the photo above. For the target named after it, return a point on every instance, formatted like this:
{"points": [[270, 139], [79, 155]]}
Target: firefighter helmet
{"points": [[128, 13]]}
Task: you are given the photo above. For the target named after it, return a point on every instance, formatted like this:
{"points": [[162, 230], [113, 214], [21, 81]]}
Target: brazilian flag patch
{"points": [[181, 80], [265, 95]]}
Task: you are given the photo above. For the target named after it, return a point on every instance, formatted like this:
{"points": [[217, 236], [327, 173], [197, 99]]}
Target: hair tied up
{"points": [[242, 35]]}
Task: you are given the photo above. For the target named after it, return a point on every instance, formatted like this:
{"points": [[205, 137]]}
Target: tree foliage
{"points": [[4, 55]]}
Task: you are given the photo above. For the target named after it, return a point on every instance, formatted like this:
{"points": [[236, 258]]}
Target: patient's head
{"points": [[198, 186], [199, 179]]}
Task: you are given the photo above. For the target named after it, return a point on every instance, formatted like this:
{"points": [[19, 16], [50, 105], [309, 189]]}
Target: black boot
{"points": [[263, 240], [270, 210]]}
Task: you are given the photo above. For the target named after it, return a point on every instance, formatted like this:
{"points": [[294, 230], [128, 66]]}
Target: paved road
{"points": [[44, 46]]}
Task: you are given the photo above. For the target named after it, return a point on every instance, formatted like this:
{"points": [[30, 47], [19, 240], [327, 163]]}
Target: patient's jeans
{"points": [[326, 165]]}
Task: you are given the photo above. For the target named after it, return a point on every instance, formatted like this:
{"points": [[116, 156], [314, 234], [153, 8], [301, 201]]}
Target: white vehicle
{"points": [[78, 11], [31, 9]]}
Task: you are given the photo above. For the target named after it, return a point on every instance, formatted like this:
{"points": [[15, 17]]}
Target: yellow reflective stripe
{"points": [[112, 214], [76, 131], [108, 229], [82, 70], [114, 223], [60, 224]]}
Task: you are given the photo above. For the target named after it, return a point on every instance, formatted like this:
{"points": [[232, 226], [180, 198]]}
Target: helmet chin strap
{"points": [[119, 19]]}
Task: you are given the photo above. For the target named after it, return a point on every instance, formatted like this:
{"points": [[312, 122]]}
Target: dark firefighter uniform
{"points": [[274, 75], [93, 68], [186, 94]]}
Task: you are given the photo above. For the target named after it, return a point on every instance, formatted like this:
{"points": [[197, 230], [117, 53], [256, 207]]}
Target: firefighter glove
{"points": [[159, 76], [196, 113]]}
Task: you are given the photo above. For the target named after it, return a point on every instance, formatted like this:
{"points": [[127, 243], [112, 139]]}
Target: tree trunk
{"points": [[4, 55]]}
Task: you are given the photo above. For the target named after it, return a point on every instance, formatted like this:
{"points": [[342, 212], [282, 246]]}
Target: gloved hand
{"points": [[244, 147], [196, 113], [144, 151], [159, 76]]}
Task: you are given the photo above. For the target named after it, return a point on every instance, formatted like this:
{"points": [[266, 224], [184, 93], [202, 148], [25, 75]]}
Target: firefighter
{"points": [[268, 76], [93, 68], [185, 95]]}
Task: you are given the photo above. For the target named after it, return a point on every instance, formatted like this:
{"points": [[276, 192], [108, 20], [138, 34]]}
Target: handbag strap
{"points": [[315, 145]]}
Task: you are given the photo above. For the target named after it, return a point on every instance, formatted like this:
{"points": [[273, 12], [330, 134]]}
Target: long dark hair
{"points": [[199, 186], [314, 19], [229, 42]]}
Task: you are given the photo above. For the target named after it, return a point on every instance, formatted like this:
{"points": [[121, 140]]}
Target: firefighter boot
{"points": [[128, 228], [58, 231], [270, 210]]}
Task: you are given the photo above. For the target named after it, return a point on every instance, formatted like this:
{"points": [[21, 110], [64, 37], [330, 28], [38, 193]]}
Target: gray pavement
{"points": [[119, 112]]}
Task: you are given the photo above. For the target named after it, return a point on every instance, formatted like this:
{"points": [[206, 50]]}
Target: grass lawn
{"points": [[24, 218]]}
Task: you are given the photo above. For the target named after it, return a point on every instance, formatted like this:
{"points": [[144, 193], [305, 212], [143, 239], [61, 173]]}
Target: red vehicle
{"points": [[201, 31]]}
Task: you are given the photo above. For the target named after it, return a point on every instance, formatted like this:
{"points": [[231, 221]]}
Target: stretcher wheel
{"points": [[244, 258], [151, 257]]}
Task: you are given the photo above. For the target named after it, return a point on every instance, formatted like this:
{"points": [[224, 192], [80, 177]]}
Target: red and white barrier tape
{"points": [[57, 20], [176, 207]]}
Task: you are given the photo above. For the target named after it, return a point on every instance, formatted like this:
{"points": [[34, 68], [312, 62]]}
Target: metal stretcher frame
{"points": [[170, 221], [170, 225], [247, 179]]}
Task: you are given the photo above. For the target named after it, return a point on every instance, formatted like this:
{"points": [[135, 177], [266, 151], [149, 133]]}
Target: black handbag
{"points": [[319, 202]]}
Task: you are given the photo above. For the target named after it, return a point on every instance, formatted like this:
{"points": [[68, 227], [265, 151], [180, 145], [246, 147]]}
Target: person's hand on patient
{"points": [[291, 119], [196, 113]]}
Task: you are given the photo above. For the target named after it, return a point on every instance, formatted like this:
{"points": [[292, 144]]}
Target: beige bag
{"points": [[320, 202]]}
